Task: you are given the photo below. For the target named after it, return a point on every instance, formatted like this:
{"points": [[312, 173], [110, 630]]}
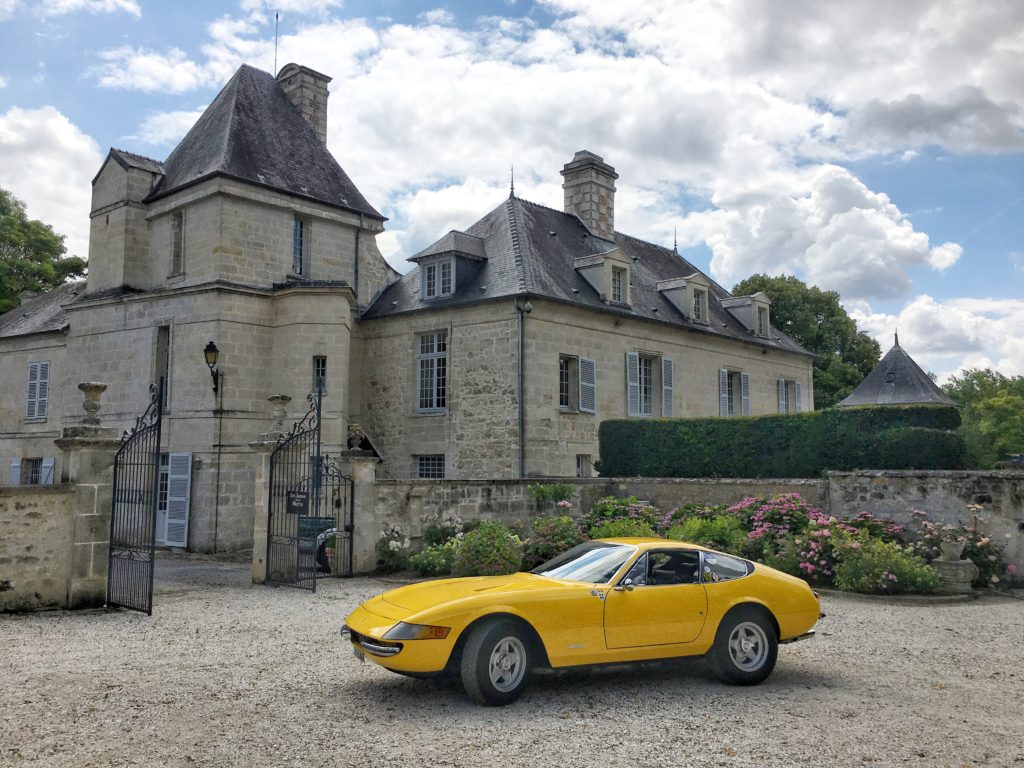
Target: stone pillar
{"points": [[363, 466], [88, 464], [263, 447]]}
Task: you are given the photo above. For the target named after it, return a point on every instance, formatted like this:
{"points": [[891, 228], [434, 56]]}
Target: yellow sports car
{"points": [[606, 601]]}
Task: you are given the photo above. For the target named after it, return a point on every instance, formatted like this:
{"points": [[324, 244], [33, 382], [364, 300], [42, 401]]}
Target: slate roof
{"points": [[530, 249], [42, 314], [254, 133], [896, 380]]}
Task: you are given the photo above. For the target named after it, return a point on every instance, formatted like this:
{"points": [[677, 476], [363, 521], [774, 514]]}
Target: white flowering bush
{"points": [[393, 550]]}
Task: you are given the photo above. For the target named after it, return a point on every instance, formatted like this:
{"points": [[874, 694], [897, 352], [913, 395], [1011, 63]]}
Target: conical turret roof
{"points": [[896, 380]]}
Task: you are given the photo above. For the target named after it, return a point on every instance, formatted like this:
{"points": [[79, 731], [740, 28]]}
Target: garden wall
{"points": [[944, 495], [36, 528]]}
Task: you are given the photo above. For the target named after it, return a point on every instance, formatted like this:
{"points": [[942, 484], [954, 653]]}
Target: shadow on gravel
{"points": [[597, 686]]}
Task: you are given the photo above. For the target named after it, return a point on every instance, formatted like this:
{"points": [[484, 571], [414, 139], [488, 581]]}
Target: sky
{"points": [[873, 148]]}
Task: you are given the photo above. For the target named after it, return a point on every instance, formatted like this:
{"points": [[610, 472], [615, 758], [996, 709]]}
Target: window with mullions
{"points": [[618, 285], [320, 374], [433, 371], [437, 279], [300, 247], [430, 467]]}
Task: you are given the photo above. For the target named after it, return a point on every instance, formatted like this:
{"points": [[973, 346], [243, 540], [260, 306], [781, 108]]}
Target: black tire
{"points": [[496, 662], [746, 648]]}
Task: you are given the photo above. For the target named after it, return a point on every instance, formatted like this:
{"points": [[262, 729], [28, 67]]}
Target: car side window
{"points": [[678, 566], [723, 567], [638, 573]]}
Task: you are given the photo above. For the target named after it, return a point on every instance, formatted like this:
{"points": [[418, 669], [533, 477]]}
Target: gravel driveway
{"points": [[228, 674]]}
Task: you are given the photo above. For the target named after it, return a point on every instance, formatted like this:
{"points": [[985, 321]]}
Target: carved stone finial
{"points": [[92, 391]]}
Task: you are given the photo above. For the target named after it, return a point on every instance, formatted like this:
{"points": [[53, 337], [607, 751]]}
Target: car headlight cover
{"points": [[403, 631]]}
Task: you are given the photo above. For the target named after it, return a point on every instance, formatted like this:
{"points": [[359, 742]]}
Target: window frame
{"points": [[762, 321], [699, 308], [30, 465], [584, 464], [37, 400], [729, 379], [438, 360], [320, 376], [424, 462], [178, 243], [661, 392], [301, 236], [433, 275], [162, 369], [619, 279]]}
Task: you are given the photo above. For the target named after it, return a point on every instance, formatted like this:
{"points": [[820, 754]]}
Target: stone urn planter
{"points": [[91, 405], [952, 550]]}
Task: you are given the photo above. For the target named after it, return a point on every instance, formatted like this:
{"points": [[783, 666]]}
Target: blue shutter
{"points": [[588, 385], [15, 471], [633, 383], [666, 387], [745, 388], [799, 398], [723, 392], [46, 473]]}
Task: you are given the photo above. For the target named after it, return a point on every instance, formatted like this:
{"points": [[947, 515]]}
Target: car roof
{"points": [[649, 542]]}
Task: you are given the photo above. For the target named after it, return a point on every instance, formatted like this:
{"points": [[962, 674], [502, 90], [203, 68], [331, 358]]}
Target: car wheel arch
{"points": [[537, 644]]}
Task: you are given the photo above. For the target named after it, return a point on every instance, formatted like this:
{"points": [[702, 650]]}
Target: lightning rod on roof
{"points": [[277, 24]]}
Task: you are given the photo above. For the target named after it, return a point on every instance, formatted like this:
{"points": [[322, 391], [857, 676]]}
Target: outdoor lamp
{"points": [[211, 353]]}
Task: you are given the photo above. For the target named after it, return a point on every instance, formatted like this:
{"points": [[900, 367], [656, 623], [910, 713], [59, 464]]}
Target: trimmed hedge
{"points": [[784, 445]]}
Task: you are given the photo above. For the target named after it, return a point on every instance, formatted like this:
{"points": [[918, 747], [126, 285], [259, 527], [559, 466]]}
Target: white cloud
{"points": [[7, 8], [304, 7], [3, 81], [952, 335], [167, 127], [138, 69], [48, 162], [437, 16], [48, 8]]}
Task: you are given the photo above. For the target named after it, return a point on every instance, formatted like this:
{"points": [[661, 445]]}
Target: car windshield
{"points": [[594, 562]]}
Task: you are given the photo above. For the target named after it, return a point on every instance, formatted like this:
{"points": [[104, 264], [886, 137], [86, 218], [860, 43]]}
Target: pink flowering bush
{"points": [[549, 536], [685, 512], [986, 552]]}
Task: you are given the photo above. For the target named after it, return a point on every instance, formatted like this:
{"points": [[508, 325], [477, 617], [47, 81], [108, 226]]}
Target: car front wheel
{"points": [[496, 662], [745, 648]]}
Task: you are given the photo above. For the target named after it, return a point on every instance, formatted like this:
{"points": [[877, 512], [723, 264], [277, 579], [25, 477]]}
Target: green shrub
{"points": [[623, 527], [545, 493], [435, 560], [629, 508], [784, 445], [870, 565], [393, 550], [547, 537], [439, 529], [489, 550], [723, 532], [686, 511]]}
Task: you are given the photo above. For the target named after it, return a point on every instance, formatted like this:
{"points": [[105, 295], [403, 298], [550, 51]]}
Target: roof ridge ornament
{"points": [[512, 181]]}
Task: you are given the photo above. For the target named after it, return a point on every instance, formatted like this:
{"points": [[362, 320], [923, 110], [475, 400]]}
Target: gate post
{"points": [[363, 466], [263, 447], [88, 463]]}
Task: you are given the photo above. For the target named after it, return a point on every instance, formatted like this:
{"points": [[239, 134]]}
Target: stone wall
{"points": [[944, 495], [36, 530]]}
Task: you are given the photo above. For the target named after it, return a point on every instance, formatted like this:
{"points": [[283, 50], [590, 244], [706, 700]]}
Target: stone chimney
{"points": [[590, 192], [307, 90]]}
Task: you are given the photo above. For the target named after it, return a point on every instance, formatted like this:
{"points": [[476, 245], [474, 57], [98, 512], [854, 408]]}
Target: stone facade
{"points": [[35, 541]]}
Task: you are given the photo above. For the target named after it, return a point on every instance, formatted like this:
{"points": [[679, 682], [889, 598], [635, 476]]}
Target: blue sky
{"points": [[875, 148]]}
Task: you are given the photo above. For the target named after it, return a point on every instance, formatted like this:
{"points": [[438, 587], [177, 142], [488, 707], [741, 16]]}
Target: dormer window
{"points": [[618, 281], [700, 306], [762, 321], [438, 279]]}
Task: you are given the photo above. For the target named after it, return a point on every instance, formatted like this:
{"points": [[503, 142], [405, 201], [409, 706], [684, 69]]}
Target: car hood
{"points": [[430, 594]]}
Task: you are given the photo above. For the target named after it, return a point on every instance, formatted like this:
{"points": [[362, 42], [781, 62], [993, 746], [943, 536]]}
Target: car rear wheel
{"points": [[496, 662], [745, 648]]}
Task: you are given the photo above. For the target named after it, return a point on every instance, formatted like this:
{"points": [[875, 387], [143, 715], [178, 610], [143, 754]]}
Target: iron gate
{"points": [[309, 520], [133, 511]]}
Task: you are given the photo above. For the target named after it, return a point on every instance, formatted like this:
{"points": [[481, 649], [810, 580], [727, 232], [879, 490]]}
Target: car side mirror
{"points": [[625, 586]]}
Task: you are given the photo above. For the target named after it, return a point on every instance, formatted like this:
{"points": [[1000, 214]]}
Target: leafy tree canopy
{"points": [[30, 254], [993, 413], [817, 321]]}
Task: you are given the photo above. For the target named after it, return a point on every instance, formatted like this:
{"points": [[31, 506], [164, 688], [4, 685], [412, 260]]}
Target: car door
{"points": [[660, 601]]}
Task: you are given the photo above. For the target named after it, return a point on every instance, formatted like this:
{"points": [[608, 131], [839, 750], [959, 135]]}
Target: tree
{"points": [[30, 254], [817, 321], [992, 408]]}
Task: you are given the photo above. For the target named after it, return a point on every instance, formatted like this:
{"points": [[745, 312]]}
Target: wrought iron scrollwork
{"points": [[149, 418], [308, 423]]}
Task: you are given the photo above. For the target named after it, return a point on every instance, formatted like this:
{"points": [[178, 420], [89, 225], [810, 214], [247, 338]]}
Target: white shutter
{"points": [[633, 383], [745, 388], [33, 390], [588, 385], [46, 473], [723, 392], [783, 405], [799, 398], [43, 393], [179, 486], [15, 471], [666, 387]]}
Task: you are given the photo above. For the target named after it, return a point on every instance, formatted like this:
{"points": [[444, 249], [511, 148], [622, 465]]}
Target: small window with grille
{"points": [[430, 467], [320, 374]]}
